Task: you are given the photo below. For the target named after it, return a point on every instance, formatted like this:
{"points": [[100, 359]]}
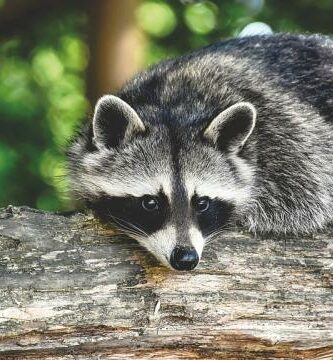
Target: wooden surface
{"points": [[72, 290]]}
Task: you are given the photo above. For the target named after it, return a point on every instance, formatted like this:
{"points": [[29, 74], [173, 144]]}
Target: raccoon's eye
{"points": [[202, 204], [149, 203]]}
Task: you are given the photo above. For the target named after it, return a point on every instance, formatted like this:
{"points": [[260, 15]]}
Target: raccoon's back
{"points": [[205, 82], [301, 65]]}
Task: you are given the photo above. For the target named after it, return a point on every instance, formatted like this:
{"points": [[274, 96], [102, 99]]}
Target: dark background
{"points": [[58, 56]]}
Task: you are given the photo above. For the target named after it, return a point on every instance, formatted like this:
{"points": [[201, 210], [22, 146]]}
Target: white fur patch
{"points": [[161, 243], [214, 187], [126, 187], [197, 240], [121, 183]]}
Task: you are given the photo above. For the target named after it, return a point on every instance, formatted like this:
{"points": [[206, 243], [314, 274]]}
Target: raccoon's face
{"points": [[172, 190]]}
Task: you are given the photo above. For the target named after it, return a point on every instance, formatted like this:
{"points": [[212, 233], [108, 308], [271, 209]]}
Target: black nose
{"points": [[183, 258]]}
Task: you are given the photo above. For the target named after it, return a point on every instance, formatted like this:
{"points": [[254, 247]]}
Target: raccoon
{"points": [[236, 133]]}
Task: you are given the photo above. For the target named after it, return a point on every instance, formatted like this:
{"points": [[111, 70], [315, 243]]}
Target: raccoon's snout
{"points": [[184, 258]]}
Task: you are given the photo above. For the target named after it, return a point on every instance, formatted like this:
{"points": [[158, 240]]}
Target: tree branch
{"points": [[70, 287]]}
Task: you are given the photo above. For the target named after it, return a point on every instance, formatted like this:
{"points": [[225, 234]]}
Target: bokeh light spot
{"points": [[201, 17], [47, 66], [75, 53], [17, 99], [156, 18]]}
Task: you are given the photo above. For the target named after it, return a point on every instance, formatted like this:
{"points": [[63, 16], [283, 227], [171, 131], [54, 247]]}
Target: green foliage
{"points": [[42, 101], [201, 17], [43, 88], [198, 23], [156, 18]]}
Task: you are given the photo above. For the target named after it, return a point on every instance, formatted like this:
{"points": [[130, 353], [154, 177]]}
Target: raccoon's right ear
{"points": [[230, 129], [114, 122]]}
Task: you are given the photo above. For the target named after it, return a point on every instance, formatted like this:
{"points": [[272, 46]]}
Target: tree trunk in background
{"points": [[116, 45], [70, 289]]}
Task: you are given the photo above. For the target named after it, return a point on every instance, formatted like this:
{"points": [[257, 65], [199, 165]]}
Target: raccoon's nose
{"points": [[183, 258]]}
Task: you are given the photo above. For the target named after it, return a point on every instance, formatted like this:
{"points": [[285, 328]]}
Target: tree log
{"points": [[70, 288]]}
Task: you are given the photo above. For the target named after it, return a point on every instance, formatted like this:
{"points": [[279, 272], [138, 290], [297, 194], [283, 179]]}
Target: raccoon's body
{"points": [[238, 132]]}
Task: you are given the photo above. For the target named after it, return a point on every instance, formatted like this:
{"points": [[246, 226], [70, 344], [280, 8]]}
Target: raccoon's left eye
{"points": [[149, 203], [202, 204]]}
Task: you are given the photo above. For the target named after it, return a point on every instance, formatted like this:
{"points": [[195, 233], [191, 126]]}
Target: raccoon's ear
{"points": [[114, 122], [230, 130]]}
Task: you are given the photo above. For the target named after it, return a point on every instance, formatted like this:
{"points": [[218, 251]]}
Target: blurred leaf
{"points": [[17, 99], [10, 45], [8, 159], [201, 17], [156, 18], [74, 53], [47, 66]]}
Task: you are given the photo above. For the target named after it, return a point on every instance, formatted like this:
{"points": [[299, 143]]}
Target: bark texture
{"points": [[71, 289]]}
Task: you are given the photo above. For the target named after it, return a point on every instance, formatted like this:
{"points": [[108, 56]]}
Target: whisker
{"points": [[126, 225], [214, 235]]}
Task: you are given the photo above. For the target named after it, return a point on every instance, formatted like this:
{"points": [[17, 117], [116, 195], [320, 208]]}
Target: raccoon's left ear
{"points": [[115, 122], [230, 130]]}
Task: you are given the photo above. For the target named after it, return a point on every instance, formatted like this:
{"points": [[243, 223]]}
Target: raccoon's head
{"points": [[173, 189]]}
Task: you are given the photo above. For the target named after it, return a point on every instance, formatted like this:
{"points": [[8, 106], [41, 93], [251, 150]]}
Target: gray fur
{"points": [[281, 179]]}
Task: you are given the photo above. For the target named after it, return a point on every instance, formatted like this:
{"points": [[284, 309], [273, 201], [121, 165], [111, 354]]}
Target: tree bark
{"points": [[71, 289]]}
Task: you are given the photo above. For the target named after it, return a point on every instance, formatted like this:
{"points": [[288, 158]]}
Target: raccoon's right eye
{"points": [[149, 203], [202, 204]]}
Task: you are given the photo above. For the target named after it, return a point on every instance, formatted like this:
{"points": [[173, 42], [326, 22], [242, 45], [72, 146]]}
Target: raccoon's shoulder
{"points": [[269, 54], [230, 71], [278, 48], [262, 44], [300, 65]]}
